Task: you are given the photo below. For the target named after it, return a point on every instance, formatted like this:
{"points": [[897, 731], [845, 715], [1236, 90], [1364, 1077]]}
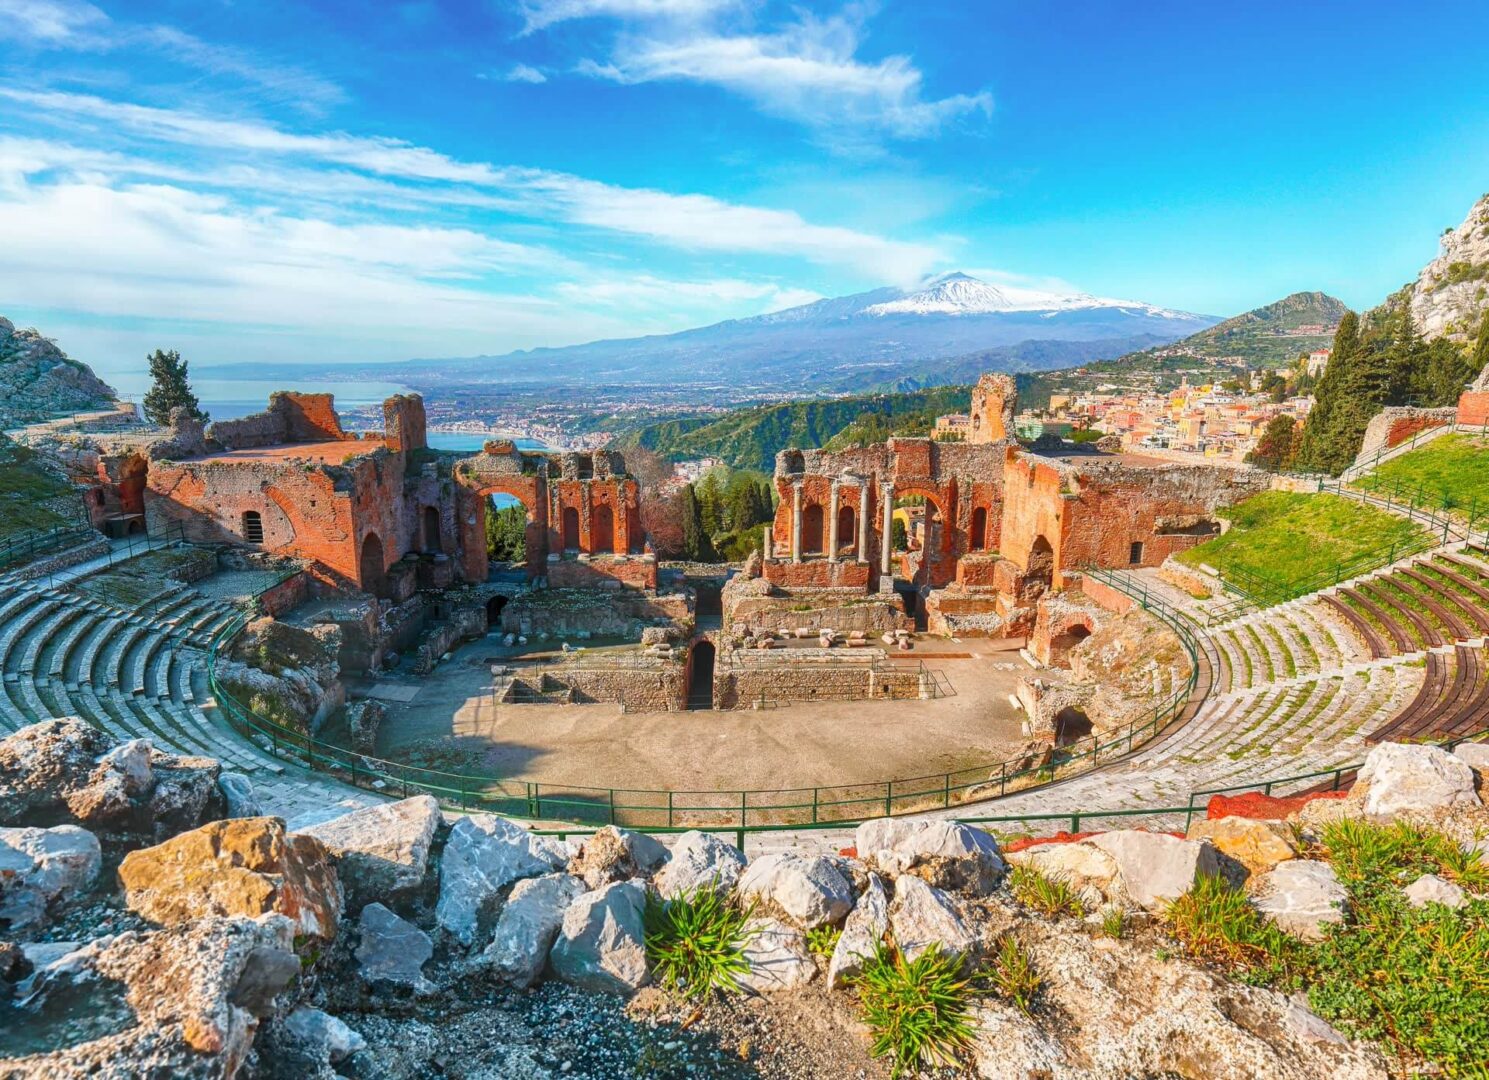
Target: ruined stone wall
{"points": [[835, 609], [660, 688], [308, 417], [1394, 426], [994, 401], [564, 614], [286, 596], [463, 624], [247, 432], [600, 572], [811, 678], [404, 424], [1473, 406]]}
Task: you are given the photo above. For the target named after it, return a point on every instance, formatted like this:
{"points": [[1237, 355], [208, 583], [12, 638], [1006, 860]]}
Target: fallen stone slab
{"points": [[1156, 868], [776, 956], [613, 854], [862, 932], [382, 851], [1302, 897], [1431, 889], [1256, 845], [238, 792], [601, 944], [483, 855], [241, 866], [1093, 874], [528, 925], [922, 916], [946, 854], [1400, 778], [699, 860], [806, 891], [391, 949], [40, 867]]}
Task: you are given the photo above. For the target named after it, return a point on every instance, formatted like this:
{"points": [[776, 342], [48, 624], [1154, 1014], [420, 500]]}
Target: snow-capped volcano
{"points": [[962, 294]]}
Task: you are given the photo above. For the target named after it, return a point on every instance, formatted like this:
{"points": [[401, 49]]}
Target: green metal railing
{"points": [[715, 809], [24, 547]]}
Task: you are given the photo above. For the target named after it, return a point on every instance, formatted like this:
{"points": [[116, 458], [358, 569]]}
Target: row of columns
{"points": [[862, 545]]}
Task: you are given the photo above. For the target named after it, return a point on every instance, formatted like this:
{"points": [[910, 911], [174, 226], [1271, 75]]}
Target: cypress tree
{"points": [[696, 546], [169, 389]]}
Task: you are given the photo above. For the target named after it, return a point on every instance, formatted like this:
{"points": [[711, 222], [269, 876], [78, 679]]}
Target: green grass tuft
{"points": [[1012, 976], [1050, 895], [919, 1011], [822, 940], [695, 942], [1114, 923]]}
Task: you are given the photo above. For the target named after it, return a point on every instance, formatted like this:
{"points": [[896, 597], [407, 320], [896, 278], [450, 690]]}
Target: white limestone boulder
{"points": [[237, 792], [699, 859], [862, 932], [483, 855], [529, 922], [40, 867], [1256, 845], [1403, 778], [1093, 874], [777, 957], [390, 949], [601, 944], [1302, 897], [946, 854], [1431, 889], [382, 851], [1156, 869], [613, 854], [806, 891], [922, 915]]}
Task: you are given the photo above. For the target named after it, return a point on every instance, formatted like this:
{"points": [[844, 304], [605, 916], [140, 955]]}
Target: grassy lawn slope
{"points": [[1283, 536], [25, 488], [1454, 468]]}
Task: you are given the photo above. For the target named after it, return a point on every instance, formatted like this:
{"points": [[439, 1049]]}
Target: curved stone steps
{"points": [[41, 635], [87, 661], [65, 648]]}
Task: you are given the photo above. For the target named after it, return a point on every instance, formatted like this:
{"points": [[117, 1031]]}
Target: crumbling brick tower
{"points": [[994, 399]]}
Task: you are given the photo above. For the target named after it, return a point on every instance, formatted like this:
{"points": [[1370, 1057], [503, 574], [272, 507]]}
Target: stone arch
{"points": [[494, 608], [812, 542], [1068, 638], [1039, 567], [371, 567], [431, 537], [253, 527], [569, 528], [701, 658], [602, 530]]}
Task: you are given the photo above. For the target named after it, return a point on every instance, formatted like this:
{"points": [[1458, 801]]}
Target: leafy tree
{"points": [[899, 540], [696, 546], [709, 500], [1481, 347], [1274, 450], [169, 388], [506, 533]]}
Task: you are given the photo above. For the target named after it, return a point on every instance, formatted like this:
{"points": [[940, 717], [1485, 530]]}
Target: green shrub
{"points": [[1114, 923], [695, 942], [1012, 976], [1216, 923], [919, 1011], [822, 940], [1047, 894]]}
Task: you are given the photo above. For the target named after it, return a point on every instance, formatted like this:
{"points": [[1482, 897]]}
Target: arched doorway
{"points": [[431, 531], [811, 529], [506, 531], [602, 530], [700, 675], [1067, 639], [847, 526], [494, 608], [978, 539], [372, 565], [570, 528], [1040, 568]]}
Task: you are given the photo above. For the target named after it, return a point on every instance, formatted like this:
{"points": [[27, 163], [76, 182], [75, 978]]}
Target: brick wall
{"points": [[1473, 408], [634, 572], [403, 423]]}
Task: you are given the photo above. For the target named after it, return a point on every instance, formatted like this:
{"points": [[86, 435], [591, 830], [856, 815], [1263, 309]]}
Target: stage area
{"points": [[453, 723]]}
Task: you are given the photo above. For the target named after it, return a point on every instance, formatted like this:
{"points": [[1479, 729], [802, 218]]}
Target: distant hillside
{"points": [[1270, 336], [750, 438], [39, 381]]}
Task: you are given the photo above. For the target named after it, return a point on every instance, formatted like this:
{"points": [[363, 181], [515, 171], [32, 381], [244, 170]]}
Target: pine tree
{"points": [[1274, 448], [170, 389], [696, 546]]}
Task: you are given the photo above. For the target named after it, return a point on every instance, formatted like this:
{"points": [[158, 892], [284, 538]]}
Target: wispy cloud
{"points": [[692, 222], [82, 27], [541, 13], [517, 73]]}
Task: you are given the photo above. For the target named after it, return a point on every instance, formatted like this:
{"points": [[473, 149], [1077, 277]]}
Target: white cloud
{"points": [[82, 27], [686, 221], [541, 13], [517, 73], [807, 71], [756, 296]]}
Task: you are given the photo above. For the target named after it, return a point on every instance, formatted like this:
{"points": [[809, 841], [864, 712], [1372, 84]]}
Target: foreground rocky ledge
{"points": [[152, 936]]}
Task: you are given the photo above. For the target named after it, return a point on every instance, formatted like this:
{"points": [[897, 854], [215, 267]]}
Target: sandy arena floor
{"points": [[452, 723]]}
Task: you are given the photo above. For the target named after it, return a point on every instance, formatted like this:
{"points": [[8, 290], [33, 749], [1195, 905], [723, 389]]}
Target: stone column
{"points": [[768, 539], [863, 521], [832, 525], [886, 495], [796, 522]]}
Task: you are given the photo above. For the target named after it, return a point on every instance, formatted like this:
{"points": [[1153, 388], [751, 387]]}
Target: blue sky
{"points": [[337, 182]]}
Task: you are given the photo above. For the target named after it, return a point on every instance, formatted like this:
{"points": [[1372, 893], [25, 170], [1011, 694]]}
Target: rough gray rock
{"points": [[601, 945], [184, 1002], [863, 930], [806, 891], [237, 790], [307, 1042], [1446, 301], [946, 854], [613, 854], [1401, 778], [1431, 889], [777, 956], [484, 855], [1091, 872], [382, 851], [1156, 868], [1301, 897], [39, 867], [922, 915], [391, 949], [529, 922], [699, 859], [39, 381]]}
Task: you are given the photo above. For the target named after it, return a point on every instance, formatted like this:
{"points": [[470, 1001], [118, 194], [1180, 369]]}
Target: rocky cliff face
{"points": [[39, 381], [1452, 292]]}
